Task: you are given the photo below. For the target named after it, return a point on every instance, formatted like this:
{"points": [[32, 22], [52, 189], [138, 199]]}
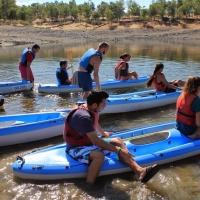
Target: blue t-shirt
{"points": [[81, 121], [188, 129]]}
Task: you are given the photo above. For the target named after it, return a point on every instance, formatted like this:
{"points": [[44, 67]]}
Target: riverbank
{"points": [[20, 35]]}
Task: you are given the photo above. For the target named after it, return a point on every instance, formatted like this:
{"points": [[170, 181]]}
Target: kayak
{"points": [[159, 143], [1, 100], [22, 128], [138, 101], [9, 87], [109, 84]]}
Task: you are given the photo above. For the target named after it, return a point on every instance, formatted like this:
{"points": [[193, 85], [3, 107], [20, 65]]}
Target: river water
{"points": [[178, 180]]}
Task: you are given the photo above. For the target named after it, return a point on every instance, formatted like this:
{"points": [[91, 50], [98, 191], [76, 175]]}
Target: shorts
{"points": [[85, 81], [169, 90], [82, 153], [22, 69]]}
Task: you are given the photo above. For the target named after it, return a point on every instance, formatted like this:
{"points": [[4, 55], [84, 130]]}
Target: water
{"points": [[179, 180]]}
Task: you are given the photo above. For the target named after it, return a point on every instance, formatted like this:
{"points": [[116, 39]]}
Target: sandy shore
{"points": [[20, 35]]}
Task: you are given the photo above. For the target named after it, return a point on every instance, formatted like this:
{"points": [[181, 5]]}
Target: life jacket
{"points": [[123, 72], [85, 60], [71, 136], [58, 72], [158, 86], [23, 56], [184, 113]]}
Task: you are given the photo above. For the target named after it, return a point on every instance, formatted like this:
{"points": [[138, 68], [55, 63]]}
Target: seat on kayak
{"points": [[150, 138]]}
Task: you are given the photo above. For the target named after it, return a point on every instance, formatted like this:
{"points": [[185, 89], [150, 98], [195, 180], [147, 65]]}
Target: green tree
{"points": [[102, 8], [133, 8], [5, 8], [109, 15]]}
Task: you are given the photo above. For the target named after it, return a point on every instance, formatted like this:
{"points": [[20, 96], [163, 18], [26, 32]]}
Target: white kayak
{"points": [[138, 101], [109, 84], [22, 128], [10, 87]]}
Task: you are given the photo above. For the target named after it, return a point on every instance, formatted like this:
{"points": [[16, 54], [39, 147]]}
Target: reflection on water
{"points": [[179, 180]]}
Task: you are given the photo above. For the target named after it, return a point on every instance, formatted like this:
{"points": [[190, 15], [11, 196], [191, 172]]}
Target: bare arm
{"points": [[101, 143], [120, 68], [96, 61], [102, 132], [198, 122], [165, 82]]}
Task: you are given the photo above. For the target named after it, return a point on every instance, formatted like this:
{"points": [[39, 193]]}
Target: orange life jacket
{"points": [[71, 136], [123, 72], [158, 86], [184, 113]]}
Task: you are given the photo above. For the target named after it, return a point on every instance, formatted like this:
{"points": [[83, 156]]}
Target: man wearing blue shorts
{"points": [[83, 143], [90, 62]]}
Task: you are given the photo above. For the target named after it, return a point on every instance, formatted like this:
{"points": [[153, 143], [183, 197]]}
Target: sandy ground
{"points": [[20, 35]]}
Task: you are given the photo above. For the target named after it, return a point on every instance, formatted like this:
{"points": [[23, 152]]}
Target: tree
{"points": [[133, 8], [109, 15], [102, 8], [5, 7]]}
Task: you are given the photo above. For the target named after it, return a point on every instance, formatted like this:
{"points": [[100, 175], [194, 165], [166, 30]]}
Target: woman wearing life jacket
{"points": [[160, 83], [122, 69], [83, 143], [188, 109], [27, 57], [62, 74]]}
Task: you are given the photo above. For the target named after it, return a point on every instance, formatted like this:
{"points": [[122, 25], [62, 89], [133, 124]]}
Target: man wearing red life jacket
{"points": [[27, 57], [83, 143], [188, 109]]}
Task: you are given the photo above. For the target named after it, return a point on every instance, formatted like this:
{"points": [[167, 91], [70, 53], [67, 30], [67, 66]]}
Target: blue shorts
{"points": [[85, 81]]}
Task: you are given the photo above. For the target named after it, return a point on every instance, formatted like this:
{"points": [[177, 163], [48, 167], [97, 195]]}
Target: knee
{"points": [[97, 156], [117, 141]]}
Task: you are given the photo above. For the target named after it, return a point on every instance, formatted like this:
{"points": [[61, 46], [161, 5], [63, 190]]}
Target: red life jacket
{"points": [[184, 113], [158, 86], [123, 72], [71, 136]]}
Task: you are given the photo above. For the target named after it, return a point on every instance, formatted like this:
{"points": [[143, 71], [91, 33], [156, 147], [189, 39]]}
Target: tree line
{"points": [[113, 11]]}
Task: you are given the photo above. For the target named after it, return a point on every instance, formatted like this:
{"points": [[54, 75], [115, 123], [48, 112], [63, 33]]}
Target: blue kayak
{"points": [[159, 143], [10, 87], [109, 84], [22, 128], [138, 101]]}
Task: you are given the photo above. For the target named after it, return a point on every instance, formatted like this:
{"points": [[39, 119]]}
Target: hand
{"points": [[107, 134]]}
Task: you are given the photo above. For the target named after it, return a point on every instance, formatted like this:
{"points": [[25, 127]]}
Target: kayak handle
{"points": [[22, 161]]}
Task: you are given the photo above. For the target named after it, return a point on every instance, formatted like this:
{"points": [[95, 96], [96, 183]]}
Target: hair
{"points": [[103, 45], [96, 97], [124, 56], [64, 62], [35, 46], [191, 85], [156, 69]]}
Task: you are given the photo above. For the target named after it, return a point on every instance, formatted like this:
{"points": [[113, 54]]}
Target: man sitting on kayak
{"points": [[83, 143]]}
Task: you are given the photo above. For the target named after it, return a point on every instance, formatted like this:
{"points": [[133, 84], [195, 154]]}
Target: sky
{"points": [[142, 3]]}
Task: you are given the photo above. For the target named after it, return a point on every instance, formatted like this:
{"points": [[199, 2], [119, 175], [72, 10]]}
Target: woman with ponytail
{"points": [[188, 109], [160, 83]]}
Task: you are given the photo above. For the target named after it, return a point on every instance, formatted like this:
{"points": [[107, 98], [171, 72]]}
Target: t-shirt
{"points": [[81, 121], [188, 129]]}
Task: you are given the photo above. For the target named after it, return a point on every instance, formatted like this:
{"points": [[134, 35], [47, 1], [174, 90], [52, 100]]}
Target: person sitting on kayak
{"points": [[62, 74], [160, 83], [83, 143], [188, 109], [122, 69]]}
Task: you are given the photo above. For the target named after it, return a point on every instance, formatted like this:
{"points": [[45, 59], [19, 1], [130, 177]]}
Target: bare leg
{"points": [[138, 170], [97, 159], [85, 94]]}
